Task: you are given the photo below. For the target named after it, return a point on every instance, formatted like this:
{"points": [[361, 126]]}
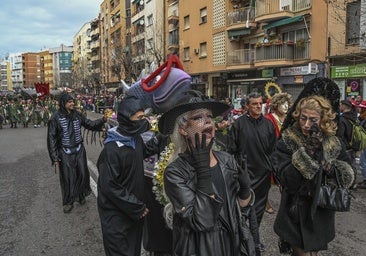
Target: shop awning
{"points": [[283, 22], [239, 32]]}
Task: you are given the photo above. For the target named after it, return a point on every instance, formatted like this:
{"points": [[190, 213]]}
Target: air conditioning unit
{"points": [[234, 38], [196, 50]]}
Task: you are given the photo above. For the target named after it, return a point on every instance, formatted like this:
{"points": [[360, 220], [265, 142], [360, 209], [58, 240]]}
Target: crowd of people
{"points": [[218, 175], [31, 111]]}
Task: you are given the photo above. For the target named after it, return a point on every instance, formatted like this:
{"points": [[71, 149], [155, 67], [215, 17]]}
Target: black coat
{"points": [[199, 226], [345, 127], [121, 195], [298, 174], [64, 136], [256, 139]]}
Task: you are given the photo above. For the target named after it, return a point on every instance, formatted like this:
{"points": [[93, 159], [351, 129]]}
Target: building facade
{"points": [[62, 66], [347, 46], [81, 62]]}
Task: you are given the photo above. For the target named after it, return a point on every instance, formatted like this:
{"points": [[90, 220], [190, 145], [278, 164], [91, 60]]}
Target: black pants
{"points": [[121, 236], [261, 186], [74, 176]]}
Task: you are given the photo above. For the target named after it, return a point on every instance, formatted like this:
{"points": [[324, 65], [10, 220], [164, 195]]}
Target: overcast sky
{"points": [[33, 25]]}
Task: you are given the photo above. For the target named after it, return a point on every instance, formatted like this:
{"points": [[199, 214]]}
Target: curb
{"points": [[93, 173]]}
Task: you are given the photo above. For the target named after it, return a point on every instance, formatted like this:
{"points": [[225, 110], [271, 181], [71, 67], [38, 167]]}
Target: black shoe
{"points": [[354, 187], [362, 185], [82, 201], [260, 247], [67, 208]]}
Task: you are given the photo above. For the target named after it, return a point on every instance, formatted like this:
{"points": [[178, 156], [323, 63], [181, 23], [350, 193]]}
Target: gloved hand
{"points": [[245, 211], [161, 139], [200, 153], [200, 160], [314, 140]]}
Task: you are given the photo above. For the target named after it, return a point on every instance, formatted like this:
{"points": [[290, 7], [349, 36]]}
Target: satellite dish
{"points": [[142, 22], [142, 2]]}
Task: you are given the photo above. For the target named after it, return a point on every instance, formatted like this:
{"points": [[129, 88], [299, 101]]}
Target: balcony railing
{"points": [[282, 52], [274, 6], [240, 57], [240, 15]]}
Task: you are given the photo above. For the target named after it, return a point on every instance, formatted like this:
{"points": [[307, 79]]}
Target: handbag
{"points": [[334, 196]]}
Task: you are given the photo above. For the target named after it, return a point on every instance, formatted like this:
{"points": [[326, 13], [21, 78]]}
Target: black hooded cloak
{"points": [[65, 145]]}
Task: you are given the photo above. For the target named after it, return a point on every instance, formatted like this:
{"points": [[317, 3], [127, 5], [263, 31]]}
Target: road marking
{"points": [[93, 168]]}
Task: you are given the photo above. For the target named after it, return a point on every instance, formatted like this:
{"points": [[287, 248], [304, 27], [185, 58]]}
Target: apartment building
{"points": [[95, 56], [347, 46], [113, 36], [46, 68], [5, 75], [16, 66], [62, 66], [234, 47], [81, 68], [31, 69]]}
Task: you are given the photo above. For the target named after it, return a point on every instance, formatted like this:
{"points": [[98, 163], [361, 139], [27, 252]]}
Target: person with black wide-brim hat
{"points": [[202, 184]]}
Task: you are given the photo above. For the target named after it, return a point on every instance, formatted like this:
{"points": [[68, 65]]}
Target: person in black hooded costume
{"points": [[121, 203], [66, 150]]}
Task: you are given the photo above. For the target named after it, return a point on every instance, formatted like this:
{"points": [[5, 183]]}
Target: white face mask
{"points": [[283, 108]]}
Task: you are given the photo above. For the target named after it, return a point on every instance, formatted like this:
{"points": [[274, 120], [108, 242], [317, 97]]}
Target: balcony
{"points": [[241, 18], [173, 17], [284, 53], [240, 57], [270, 10]]}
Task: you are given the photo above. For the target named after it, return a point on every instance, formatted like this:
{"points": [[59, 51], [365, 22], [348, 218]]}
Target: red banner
{"points": [[42, 89]]}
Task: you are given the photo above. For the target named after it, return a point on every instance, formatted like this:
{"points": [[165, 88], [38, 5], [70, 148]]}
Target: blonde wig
{"points": [[325, 110]]}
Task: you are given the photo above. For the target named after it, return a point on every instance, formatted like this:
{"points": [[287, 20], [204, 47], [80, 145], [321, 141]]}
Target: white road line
{"points": [[93, 168]]}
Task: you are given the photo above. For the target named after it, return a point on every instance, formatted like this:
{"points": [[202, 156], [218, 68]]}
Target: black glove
{"points": [[161, 139], [314, 140], [244, 180], [200, 160], [245, 211]]}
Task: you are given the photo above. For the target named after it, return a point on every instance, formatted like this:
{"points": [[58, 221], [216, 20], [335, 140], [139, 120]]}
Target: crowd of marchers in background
{"points": [[25, 111]]}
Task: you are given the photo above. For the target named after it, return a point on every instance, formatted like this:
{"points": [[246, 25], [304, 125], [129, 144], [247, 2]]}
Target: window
{"points": [[149, 20], [149, 44], [186, 53], [186, 22], [203, 49], [353, 23], [203, 15]]}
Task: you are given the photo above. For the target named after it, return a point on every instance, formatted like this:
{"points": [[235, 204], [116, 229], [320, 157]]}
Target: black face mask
{"points": [[132, 128]]}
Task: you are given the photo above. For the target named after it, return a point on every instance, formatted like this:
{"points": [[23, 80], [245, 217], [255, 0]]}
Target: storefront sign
{"points": [[267, 73], [242, 75], [312, 68], [353, 87], [349, 71]]}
